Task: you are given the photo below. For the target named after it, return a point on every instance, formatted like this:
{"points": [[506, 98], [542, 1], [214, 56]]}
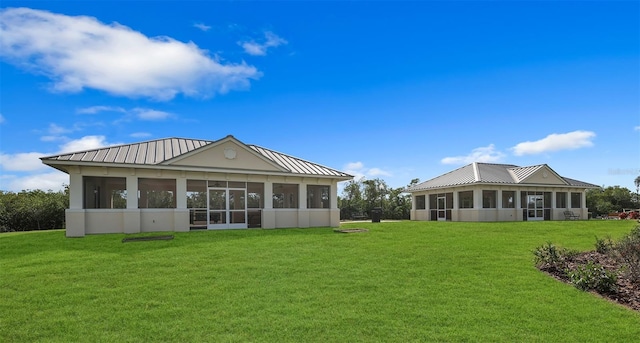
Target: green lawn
{"points": [[399, 282]]}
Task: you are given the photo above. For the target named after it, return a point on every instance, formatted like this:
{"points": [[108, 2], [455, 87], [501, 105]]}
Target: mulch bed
{"points": [[627, 293], [147, 238]]}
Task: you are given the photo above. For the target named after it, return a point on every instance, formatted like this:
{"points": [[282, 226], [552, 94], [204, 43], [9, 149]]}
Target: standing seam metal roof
{"points": [[158, 151], [487, 173]]}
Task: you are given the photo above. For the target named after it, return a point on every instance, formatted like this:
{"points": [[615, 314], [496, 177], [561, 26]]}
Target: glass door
{"points": [[217, 208], [227, 208], [237, 209], [442, 207], [535, 207]]}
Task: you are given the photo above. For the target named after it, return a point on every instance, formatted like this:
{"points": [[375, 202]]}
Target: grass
{"points": [[399, 282]]}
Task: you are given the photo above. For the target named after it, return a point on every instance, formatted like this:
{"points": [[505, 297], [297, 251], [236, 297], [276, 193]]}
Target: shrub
{"points": [[634, 215], [592, 276], [604, 245], [550, 257], [623, 215], [627, 251]]}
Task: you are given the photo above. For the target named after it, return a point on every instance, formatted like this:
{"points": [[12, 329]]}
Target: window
{"points": [[156, 193], [105, 192], [465, 199], [561, 200], [285, 195], [421, 202], [508, 199], [576, 200], [317, 196], [196, 194], [489, 199], [255, 195]]}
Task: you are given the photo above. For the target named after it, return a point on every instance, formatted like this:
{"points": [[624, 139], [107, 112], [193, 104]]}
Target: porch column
{"points": [[132, 213], [75, 191], [268, 213]]}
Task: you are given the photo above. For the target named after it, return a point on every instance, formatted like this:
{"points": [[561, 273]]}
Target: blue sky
{"points": [[391, 90]]}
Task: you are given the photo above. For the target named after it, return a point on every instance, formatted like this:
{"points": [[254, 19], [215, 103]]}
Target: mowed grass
{"points": [[399, 282]]}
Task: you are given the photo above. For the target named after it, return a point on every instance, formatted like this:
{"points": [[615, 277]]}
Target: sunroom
{"points": [[499, 192], [178, 184]]}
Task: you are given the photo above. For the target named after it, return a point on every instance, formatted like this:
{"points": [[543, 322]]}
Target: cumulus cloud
{"points": [[487, 154], [98, 109], [78, 52], [30, 164], [554, 142], [53, 180], [27, 161], [260, 49], [84, 143]]}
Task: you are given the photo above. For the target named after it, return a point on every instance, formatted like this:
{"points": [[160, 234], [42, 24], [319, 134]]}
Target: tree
{"points": [[611, 199]]}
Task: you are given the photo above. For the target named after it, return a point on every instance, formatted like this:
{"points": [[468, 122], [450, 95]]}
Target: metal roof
{"points": [[476, 173], [156, 152]]}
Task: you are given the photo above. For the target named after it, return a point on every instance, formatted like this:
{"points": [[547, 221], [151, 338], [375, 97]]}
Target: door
{"points": [[535, 207], [442, 207], [227, 208]]}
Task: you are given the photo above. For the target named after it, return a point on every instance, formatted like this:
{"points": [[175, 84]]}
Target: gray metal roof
{"points": [[476, 173], [156, 152]]}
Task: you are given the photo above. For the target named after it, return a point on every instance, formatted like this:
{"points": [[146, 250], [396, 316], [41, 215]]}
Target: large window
{"points": [[561, 200], [576, 200], [465, 199], [156, 193], [318, 196], [489, 199], [421, 202], [285, 195], [508, 199], [105, 192]]}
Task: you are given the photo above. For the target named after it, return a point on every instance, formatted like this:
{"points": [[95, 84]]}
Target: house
{"points": [[178, 184], [499, 192]]}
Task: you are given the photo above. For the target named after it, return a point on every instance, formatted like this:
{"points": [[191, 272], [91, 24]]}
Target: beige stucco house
{"points": [[177, 184], [499, 192]]}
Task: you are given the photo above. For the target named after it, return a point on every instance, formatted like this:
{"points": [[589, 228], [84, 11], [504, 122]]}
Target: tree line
{"points": [[33, 210], [361, 197]]}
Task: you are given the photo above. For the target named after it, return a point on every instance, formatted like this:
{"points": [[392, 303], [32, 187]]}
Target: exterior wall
{"points": [[479, 214], [82, 221]]}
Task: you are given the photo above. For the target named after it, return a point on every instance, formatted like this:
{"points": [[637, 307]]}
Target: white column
{"points": [[181, 192], [302, 196], [132, 192], [75, 191], [268, 195]]}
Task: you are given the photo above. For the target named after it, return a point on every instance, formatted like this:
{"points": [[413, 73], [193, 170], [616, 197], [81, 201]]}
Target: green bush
{"points": [[627, 251], [604, 245], [593, 276], [550, 257]]}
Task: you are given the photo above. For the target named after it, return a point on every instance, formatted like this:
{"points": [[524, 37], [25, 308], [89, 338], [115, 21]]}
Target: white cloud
{"points": [[27, 161], [487, 154], [358, 170], [149, 114], [637, 128], [79, 52], [202, 27], [98, 109], [1, 119], [554, 142], [54, 180], [84, 143], [30, 161], [260, 49]]}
